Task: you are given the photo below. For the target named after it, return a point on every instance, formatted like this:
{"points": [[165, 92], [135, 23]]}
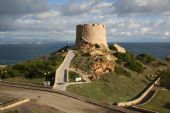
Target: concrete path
{"points": [[60, 102], [62, 72]]}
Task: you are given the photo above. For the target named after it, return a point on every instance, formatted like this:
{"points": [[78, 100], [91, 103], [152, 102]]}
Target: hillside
{"points": [[127, 78], [112, 76], [35, 71]]}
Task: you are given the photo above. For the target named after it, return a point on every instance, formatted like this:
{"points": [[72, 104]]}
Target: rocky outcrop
{"points": [[101, 65], [119, 48], [100, 60]]}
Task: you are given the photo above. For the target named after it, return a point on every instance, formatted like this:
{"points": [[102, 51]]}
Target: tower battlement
{"points": [[93, 33]]}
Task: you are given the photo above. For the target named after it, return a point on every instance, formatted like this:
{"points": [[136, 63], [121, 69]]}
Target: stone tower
{"points": [[91, 33]]}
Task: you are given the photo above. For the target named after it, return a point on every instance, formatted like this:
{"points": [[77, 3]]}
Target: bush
{"points": [[135, 66], [130, 61], [73, 76], [82, 63], [124, 57], [145, 58], [112, 47], [86, 54], [165, 79], [122, 71], [167, 105], [37, 68]]}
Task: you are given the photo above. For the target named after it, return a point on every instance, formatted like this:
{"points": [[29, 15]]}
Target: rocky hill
{"points": [[94, 59]]}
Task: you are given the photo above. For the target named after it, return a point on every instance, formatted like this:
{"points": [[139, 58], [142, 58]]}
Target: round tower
{"points": [[92, 33]]}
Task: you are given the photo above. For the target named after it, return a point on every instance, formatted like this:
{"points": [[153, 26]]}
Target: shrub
{"points": [[50, 77], [167, 105], [135, 66], [130, 61], [57, 56], [122, 71], [145, 58], [82, 63], [37, 68], [73, 76], [112, 47], [86, 54], [165, 79], [125, 57]]}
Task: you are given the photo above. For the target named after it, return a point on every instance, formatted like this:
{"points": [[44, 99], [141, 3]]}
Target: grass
{"points": [[112, 87], [160, 102], [38, 81], [34, 110], [122, 71]]}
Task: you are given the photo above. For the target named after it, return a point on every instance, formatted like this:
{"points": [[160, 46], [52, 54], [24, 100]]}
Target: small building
{"points": [[119, 48]]}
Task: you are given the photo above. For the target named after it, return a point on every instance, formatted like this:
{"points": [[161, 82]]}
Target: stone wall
{"points": [[140, 98], [92, 33]]}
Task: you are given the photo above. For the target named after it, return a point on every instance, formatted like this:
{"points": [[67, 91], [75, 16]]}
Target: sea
{"points": [[16, 53]]}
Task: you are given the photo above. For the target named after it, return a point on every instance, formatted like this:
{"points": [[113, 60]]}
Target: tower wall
{"points": [[93, 33]]}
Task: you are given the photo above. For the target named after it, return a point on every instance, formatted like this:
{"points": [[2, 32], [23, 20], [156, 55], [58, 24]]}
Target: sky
{"points": [[39, 21]]}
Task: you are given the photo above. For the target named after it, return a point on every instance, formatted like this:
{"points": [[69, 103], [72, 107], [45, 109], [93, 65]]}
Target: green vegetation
{"points": [[112, 47], [14, 111], [37, 81], [112, 87], [122, 71], [82, 61], [160, 102], [165, 79], [125, 57], [34, 110], [34, 70], [145, 58], [129, 61], [73, 76], [135, 66]]}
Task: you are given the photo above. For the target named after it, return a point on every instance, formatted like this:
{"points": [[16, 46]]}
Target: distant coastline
{"points": [[15, 53]]}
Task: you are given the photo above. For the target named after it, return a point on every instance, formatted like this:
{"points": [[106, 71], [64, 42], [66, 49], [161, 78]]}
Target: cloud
{"points": [[10, 10], [125, 7], [145, 30], [17, 7], [125, 34], [138, 20], [77, 7], [167, 33]]}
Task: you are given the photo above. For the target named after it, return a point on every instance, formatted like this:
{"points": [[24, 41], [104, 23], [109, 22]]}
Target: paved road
{"points": [[57, 101], [61, 72]]}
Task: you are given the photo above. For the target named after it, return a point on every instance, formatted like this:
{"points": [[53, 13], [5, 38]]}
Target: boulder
{"points": [[119, 48]]}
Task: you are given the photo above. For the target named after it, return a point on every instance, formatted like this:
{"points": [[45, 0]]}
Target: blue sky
{"points": [[32, 21]]}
